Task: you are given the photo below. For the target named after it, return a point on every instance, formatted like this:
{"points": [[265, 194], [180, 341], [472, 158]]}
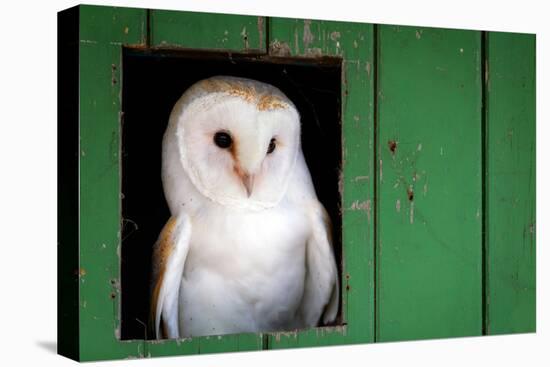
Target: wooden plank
{"points": [[510, 186], [67, 186], [429, 236], [103, 30], [353, 42], [207, 31]]}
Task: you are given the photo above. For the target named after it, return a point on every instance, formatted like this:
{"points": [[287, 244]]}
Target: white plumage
{"points": [[248, 246]]}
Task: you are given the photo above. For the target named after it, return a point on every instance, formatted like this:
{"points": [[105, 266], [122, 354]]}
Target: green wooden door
{"points": [[437, 183]]}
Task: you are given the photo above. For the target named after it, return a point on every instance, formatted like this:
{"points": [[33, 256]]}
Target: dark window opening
{"points": [[153, 80]]}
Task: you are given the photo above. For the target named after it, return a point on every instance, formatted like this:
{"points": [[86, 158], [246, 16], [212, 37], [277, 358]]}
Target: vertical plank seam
{"points": [[484, 177], [267, 35], [79, 213], [376, 177], [117, 304], [148, 28]]}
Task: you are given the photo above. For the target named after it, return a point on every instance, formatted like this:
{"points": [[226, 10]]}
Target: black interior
{"points": [[153, 81]]}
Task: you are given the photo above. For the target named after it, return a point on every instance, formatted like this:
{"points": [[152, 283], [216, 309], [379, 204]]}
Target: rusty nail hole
{"points": [[392, 144], [113, 295], [410, 194], [113, 66], [113, 282], [347, 287], [347, 276]]}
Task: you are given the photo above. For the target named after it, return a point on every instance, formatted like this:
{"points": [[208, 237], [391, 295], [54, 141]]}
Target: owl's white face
{"points": [[239, 148]]}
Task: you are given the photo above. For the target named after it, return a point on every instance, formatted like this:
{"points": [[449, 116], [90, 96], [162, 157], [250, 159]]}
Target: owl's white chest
{"points": [[244, 271]]}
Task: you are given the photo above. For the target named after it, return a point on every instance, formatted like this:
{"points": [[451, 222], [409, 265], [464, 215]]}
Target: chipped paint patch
{"points": [[261, 32], [341, 182], [392, 146], [288, 334], [398, 205], [307, 37], [113, 74], [244, 35], [313, 52], [327, 330], [368, 209], [410, 193], [361, 178], [362, 205], [281, 49], [116, 284], [225, 36], [357, 205], [411, 213]]}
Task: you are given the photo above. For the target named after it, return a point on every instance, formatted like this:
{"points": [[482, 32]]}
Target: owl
{"points": [[248, 245]]}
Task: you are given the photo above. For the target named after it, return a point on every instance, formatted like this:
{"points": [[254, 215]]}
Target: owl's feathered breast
{"points": [[244, 269]]}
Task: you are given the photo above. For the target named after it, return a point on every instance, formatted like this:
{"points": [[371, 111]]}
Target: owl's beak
{"points": [[248, 182]]}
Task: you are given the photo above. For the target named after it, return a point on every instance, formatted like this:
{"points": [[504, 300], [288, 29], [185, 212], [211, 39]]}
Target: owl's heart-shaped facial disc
{"points": [[238, 140]]}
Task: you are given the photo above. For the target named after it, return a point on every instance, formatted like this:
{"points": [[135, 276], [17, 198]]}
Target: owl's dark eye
{"points": [[223, 139], [272, 146]]}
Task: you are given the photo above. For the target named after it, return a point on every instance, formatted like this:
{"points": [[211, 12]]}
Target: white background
{"points": [[28, 182]]}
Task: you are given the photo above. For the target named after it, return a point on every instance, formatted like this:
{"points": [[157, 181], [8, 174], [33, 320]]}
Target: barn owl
{"points": [[248, 245]]}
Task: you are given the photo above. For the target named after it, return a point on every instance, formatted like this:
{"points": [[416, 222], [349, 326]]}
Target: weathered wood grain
{"points": [[429, 241], [510, 184], [207, 31]]}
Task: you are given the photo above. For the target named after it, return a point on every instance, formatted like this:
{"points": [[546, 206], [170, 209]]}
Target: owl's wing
{"points": [[169, 254], [321, 293]]}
